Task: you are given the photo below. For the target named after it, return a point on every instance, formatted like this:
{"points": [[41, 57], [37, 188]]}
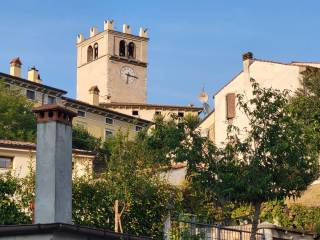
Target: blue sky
{"points": [[192, 43]]}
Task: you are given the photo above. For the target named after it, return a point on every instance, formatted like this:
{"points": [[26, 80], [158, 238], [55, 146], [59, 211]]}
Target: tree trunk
{"points": [[255, 221]]}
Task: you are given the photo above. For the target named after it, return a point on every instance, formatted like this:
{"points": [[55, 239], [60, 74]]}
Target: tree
{"points": [[273, 158], [131, 179], [17, 121], [82, 139], [305, 104], [10, 211]]}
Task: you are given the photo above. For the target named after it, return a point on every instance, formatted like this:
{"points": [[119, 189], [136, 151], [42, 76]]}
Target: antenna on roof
{"points": [[203, 98]]}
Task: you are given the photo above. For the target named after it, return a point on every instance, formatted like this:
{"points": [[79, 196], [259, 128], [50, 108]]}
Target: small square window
{"points": [[109, 133], [5, 162], [180, 114], [31, 95], [135, 113], [109, 121], [157, 113], [51, 100], [81, 113], [138, 128]]}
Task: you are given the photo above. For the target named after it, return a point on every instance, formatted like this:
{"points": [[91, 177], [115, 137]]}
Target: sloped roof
{"points": [[32, 146], [150, 106], [52, 228]]}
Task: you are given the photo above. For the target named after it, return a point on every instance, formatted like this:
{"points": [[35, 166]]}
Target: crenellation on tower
{"points": [[143, 32], [80, 38], [108, 25], [126, 29], [93, 31]]}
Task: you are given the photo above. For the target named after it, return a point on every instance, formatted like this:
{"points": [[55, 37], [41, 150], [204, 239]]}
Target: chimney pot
{"points": [[33, 75], [94, 95], [247, 56], [15, 67]]}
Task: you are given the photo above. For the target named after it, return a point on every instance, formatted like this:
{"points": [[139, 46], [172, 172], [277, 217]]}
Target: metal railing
{"points": [[182, 230]]}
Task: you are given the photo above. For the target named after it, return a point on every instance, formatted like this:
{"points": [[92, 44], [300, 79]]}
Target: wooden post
{"points": [[116, 213]]}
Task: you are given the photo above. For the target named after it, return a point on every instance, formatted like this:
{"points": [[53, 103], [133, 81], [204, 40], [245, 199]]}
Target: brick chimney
{"points": [[94, 95], [54, 164], [33, 75], [15, 67]]}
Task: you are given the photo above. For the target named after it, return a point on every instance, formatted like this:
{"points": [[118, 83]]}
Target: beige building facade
{"points": [[19, 157], [100, 122], [268, 74]]}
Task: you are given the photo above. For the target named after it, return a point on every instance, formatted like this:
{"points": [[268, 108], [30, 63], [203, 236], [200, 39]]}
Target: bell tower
{"points": [[115, 62]]}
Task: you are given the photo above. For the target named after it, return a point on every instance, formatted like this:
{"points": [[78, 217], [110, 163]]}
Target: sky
{"points": [[193, 43]]}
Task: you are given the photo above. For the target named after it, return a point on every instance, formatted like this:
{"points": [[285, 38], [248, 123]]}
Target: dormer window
{"points": [[131, 50], [89, 54], [95, 46], [122, 48]]}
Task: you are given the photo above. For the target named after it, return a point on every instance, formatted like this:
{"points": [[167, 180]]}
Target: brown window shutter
{"points": [[231, 105]]}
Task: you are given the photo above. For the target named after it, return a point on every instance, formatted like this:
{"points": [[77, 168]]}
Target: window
{"points": [[135, 113], [180, 114], [109, 121], [122, 48], [95, 46], [51, 100], [157, 113], [138, 128], [89, 54], [5, 162], [109, 133], [131, 50], [31, 95], [231, 105], [81, 113]]}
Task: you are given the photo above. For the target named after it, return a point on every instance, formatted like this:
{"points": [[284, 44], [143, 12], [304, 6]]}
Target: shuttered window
{"points": [[231, 105]]}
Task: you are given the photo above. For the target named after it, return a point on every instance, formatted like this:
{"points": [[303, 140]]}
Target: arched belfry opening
{"points": [[131, 50], [122, 48], [89, 54], [96, 51]]}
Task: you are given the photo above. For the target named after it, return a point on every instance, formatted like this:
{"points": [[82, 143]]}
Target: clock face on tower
{"points": [[128, 75]]}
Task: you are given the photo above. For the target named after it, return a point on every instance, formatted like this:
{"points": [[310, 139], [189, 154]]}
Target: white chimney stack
{"points": [[33, 75], [15, 67], [94, 95]]}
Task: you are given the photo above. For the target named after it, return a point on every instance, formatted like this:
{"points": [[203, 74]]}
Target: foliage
{"points": [[10, 211], [82, 139], [294, 216], [17, 122], [273, 158], [305, 104], [131, 178]]}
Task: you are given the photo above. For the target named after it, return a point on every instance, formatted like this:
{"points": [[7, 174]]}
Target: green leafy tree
{"points": [[134, 181], [82, 139], [17, 122], [273, 158], [10, 211], [305, 104]]}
